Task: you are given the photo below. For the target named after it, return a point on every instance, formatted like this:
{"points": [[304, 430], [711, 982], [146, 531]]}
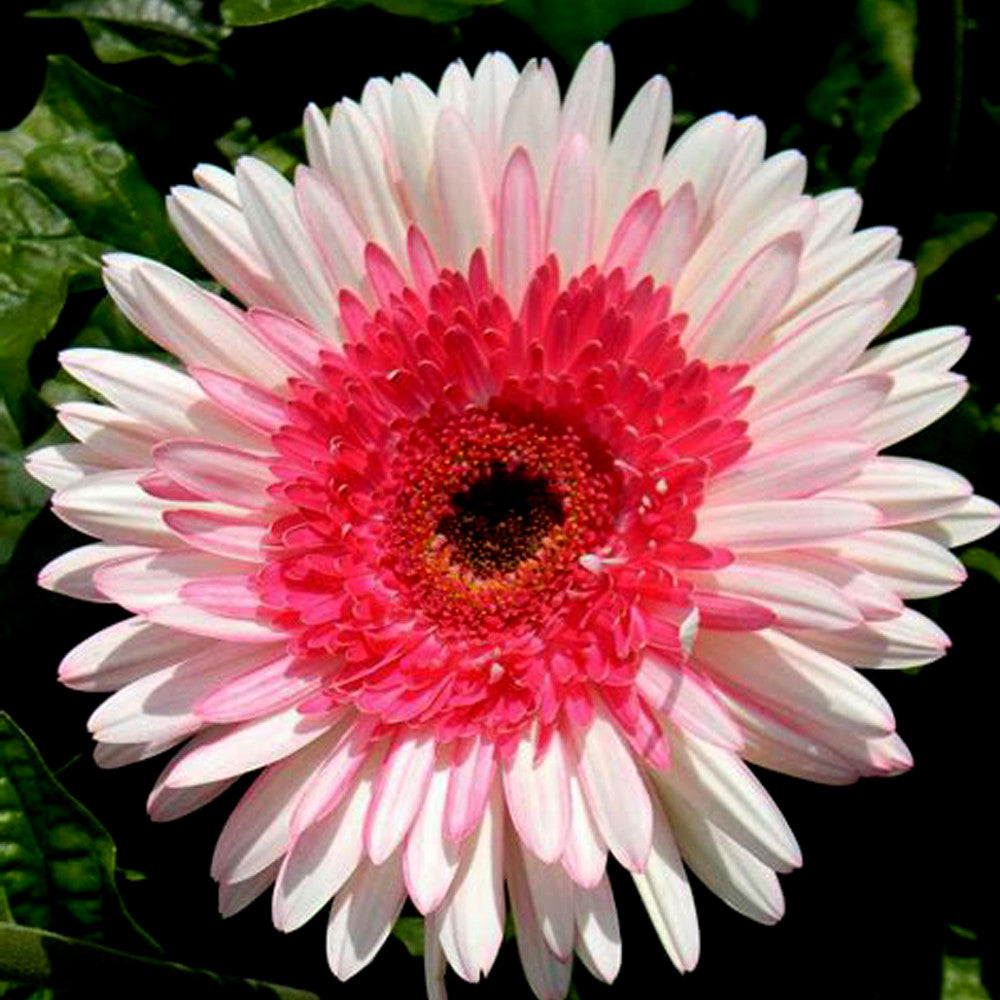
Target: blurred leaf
{"points": [[949, 234], [962, 979], [21, 497], [42, 254], [72, 147], [122, 30], [244, 13], [284, 151], [983, 560], [107, 327], [749, 9], [868, 86], [410, 930], [569, 26], [39, 957], [57, 862], [69, 191]]}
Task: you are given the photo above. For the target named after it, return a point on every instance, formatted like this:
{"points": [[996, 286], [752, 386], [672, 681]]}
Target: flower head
{"points": [[535, 489]]}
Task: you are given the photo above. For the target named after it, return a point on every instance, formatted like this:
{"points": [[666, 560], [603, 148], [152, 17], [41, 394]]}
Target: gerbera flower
{"points": [[535, 489]]}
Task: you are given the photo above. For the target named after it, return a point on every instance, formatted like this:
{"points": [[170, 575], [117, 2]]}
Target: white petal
{"points": [[915, 400], [931, 350], [569, 229], [665, 893], [462, 198], [334, 233], [730, 871], [323, 856], [813, 354], [830, 412], [616, 795], [519, 237], [60, 465], [636, 151], [472, 916], [357, 169], [906, 489], [699, 158], [165, 803], [552, 899], [547, 975], [587, 107], [72, 572], [719, 786], [908, 640], [537, 793], [431, 859], [268, 202], [775, 524], [161, 705], [399, 793], [217, 233], [970, 520], [217, 181], [745, 308], [256, 833], [237, 896], [910, 564], [799, 681], [363, 914], [585, 855], [196, 326], [793, 472], [532, 120], [598, 939], [246, 746], [156, 394], [113, 507], [120, 653], [121, 439]]}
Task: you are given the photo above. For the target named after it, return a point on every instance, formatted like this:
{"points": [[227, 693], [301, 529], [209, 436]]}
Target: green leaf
{"points": [[868, 86], [983, 560], [949, 234], [244, 13], [21, 497], [569, 26], [962, 979], [284, 151], [72, 147], [410, 930], [39, 957], [42, 255], [122, 30], [69, 190], [57, 862]]}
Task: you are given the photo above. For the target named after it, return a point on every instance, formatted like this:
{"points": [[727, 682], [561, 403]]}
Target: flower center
{"points": [[488, 515], [501, 519]]}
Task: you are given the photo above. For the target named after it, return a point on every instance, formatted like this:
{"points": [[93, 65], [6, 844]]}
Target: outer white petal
{"points": [[472, 916], [665, 892], [547, 975], [256, 833], [538, 797], [322, 857], [363, 914], [598, 939], [717, 784], [614, 790]]}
